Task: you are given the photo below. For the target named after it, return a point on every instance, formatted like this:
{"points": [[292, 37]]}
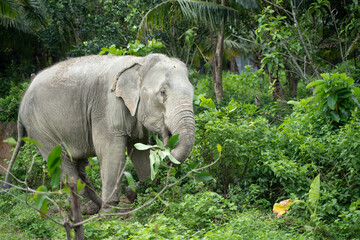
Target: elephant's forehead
{"points": [[165, 71]]}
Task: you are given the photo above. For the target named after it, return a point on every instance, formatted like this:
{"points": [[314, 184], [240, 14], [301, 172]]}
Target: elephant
{"points": [[102, 105]]}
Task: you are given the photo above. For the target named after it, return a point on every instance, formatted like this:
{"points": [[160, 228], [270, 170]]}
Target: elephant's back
{"points": [[77, 70], [56, 106]]}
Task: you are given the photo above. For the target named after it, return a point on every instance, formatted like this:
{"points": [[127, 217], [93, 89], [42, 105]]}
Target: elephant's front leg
{"points": [[112, 161]]}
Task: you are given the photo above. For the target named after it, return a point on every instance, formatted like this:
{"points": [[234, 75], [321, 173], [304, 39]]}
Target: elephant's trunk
{"points": [[180, 120]]}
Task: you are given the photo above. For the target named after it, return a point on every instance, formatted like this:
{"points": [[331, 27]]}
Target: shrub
{"points": [[334, 96], [9, 105], [242, 87]]}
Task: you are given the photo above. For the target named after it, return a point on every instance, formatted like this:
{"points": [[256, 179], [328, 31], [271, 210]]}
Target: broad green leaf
{"points": [[54, 159], [55, 178], [203, 177], [10, 141], [173, 140], [314, 192], [352, 207], [343, 76], [43, 208], [325, 76], [346, 95], [40, 199], [207, 102], [335, 116], [29, 140], [337, 83], [140, 146], [157, 161], [331, 101], [319, 90], [79, 185], [159, 143], [295, 103], [349, 80], [343, 115], [282, 207], [130, 180], [342, 90], [219, 148], [315, 83], [152, 170], [172, 159]]}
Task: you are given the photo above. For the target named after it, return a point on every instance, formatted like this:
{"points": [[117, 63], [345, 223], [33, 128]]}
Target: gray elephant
{"points": [[102, 105]]}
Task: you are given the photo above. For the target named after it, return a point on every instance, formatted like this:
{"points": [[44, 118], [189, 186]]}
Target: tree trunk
{"points": [[217, 63], [217, 66], [293, 81], [76, 212]]}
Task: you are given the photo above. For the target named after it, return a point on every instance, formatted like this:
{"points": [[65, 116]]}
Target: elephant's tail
{"points": [[19, 143]]}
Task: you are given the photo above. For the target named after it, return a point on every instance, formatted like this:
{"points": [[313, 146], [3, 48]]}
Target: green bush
{"points": [[242, 87], [17, 221], [9, 105], [30, 157], [334, 96], [262, 163]]}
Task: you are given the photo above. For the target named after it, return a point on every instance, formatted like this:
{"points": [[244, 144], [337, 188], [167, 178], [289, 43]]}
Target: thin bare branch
{"points": [[25, 202], [167, 185]]}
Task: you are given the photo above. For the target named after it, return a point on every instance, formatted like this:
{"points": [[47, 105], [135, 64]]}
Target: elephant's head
{"points": [[156, 90]]}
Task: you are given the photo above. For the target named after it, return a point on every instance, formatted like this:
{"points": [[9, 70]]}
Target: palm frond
{"points": [[234, 48], [36, 11], [9, 8], [159, 17], [22, 15], [9, 11], [209, 14]]}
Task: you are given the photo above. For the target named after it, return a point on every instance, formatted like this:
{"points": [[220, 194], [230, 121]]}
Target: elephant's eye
{"points": [[163, 94]]}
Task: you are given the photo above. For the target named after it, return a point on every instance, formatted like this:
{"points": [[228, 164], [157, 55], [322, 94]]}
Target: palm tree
{"points": [[210, 14], [22, 15]]}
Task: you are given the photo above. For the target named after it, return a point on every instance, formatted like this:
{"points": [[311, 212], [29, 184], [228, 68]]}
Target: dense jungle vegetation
{"points": [[286, 126]]}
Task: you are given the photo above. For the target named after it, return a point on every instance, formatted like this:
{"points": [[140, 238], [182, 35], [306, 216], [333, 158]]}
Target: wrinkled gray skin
{"points": [[101, 105]]}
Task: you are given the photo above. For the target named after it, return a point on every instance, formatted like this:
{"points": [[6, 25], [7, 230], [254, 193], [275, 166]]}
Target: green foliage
{"points": [[241, 132], [347, 224], [27, 157], [243, 87], [201, 209], [260, 162], [93, 172], [159, 154], [135, 48], [334, 95], [9, 104], [314, 196], [19, 222]]}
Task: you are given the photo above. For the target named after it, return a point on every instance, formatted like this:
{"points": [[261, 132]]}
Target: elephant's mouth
{"points": [[166, 135]]}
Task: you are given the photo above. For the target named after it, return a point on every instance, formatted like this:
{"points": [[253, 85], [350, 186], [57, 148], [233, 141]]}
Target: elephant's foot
{"points": [[90, 208]]}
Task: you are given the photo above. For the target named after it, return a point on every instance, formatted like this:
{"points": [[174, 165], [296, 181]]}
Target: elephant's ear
{"points": [[127, 86]]}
